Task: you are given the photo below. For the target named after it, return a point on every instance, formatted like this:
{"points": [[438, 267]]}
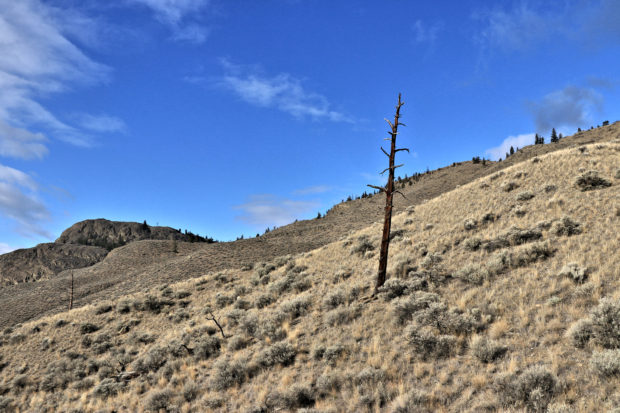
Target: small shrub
{"points": [[509, 186], [223, 300], [103, 308], [517, 236], [264, 300], [327, 383], [431, 260], [333, 353], [606, 363], [549, 188], [363, 245], [574, 272], [207, 347], [107, 388], [580, 332], [489, 217], [278, 353], [533, 388], [428, 345], [271, 328], [88, 328], [487, 350], [591, 180], [404, 308], [394, 288], [617, 174], [342, 315], [190, 392], [525, 196], [473, 273], [606, 323], [334, 299], [152, 304], [297, 306], [60, 323], [566, 226], [228, 373], [236, 343], [520, 174], [531, 253], [152, 361], [472, 244], [413, 401], [159, 400], [470, 224], [123, 306]]}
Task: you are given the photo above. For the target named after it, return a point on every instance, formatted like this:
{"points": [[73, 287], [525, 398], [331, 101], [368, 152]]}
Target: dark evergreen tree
{"points": [[554, 136], [512, 150]]}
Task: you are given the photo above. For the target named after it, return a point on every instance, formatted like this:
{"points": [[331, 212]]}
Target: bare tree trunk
{"points": [[389, 196], [71, 296]]}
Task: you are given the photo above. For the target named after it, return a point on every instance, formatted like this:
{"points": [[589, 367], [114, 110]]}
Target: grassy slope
{"points": [[319, 341], [145, 263]]}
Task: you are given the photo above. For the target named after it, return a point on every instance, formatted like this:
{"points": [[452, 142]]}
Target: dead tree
{"points": [[71, 293], [389, 194]]}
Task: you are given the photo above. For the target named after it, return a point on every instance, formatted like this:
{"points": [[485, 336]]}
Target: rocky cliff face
{"points": [[112, 234], [46, 260]]}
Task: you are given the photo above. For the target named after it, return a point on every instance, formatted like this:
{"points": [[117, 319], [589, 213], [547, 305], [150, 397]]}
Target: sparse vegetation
{"points": [[505, 315]]}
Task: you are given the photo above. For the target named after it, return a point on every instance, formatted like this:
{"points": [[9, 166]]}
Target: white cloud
{"points": [[591, 24], [19, 202], [281, 91], [38, 59], [518, 141], [268, 210], [312, 190], [180, 16], [518, 28], [571, 106], [5, 248], [20, 143], [13, 176], [101, 123], [425, 33]]}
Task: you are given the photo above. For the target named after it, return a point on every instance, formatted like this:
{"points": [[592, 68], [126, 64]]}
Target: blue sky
{"points": [[226, 118]]}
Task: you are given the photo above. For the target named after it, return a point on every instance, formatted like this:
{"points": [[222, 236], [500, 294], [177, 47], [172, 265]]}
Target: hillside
{"points": [[503, 294], [140, 264], [111, 278], [81, 245], [45, 261]]}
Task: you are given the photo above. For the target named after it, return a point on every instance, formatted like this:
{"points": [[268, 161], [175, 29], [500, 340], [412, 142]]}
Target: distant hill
{"points": [[45, 261], [113, 234], [81, 245]]}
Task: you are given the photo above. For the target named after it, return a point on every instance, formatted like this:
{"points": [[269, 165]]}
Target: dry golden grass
{"points": [[320, 342]]}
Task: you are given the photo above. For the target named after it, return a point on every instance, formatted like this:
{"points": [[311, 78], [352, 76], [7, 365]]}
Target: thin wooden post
{"points": [[71, 296]]}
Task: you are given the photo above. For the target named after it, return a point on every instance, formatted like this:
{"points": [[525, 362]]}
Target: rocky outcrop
{"points": [[46, 260], [112, 234]]}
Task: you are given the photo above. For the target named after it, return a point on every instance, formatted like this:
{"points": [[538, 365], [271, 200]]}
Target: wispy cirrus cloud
{"points": [[516, 141], [101, 123], [425, 33], [313, 190], [39, 58], [20, 203], [528, 24], [21, 143], [572, 106], [282, 91], [268, 210], [36, 60], [181, 16]]}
